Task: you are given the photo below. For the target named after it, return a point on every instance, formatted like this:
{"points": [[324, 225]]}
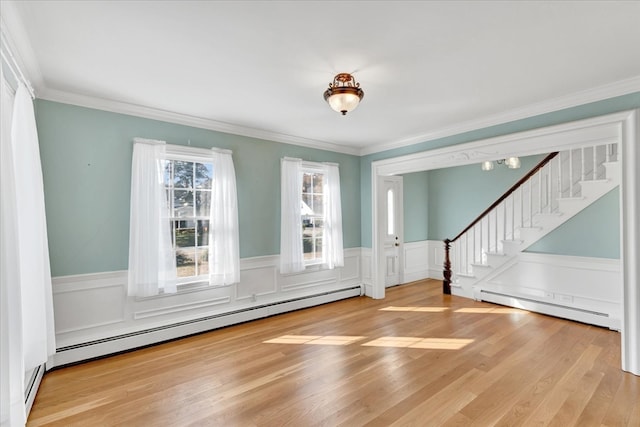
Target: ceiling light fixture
{"points": [[344, 94], [510, 162]]}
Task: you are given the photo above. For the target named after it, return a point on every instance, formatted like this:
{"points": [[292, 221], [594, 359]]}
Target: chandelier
{"points": [[344, 94], [510, 162]]}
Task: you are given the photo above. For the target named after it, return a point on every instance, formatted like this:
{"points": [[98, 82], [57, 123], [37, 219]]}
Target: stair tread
{"points": [[571, 198], [601, 181], [480, 265]]}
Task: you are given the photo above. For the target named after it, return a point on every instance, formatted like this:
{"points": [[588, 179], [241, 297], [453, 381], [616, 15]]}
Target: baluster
{"points": [[481, 232], [522, 206], [466, 253], [495, 231], [595, 162], [540, 173], [570, 173], [488, 242], [547, 187], [608, 153], [513, 218], [559, 175], [504, 220], [464, 265], [531, 202], [582, 165]]}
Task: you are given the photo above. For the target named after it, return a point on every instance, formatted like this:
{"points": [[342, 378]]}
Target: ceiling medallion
{"points": [[344, 94]]}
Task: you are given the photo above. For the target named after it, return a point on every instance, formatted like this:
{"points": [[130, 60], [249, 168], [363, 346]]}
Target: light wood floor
{"points": [[432, 360]]}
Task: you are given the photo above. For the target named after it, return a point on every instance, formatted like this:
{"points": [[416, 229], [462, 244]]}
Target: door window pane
{"points": [[390, 213]]}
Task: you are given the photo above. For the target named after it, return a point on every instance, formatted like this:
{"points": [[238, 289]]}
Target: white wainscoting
{"points": [[95, 317], [423, 260], [579, 288]]}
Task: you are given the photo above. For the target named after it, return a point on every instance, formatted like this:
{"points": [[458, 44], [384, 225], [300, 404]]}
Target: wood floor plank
{"points": [[418, 358]]}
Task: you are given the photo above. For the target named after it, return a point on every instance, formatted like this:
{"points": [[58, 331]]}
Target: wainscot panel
{"points": [[94, 316], [416, 261]]}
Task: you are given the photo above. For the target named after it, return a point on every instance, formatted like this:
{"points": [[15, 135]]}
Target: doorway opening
{"points": [[620, 128]]}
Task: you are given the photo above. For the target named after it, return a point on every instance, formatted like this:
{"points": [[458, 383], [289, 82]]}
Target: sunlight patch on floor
{"points": [[421, 309], [417, 342], [400, 342], [504, 310], [314, 339]]}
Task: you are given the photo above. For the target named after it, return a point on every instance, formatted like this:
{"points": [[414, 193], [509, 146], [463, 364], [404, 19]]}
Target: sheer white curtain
{"points": [[291, 256], [224, 253], [332, 236], [152, 263], [12, 409], [28, 336]]}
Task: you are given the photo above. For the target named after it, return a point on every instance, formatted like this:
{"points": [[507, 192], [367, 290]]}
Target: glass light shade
{"points": [[513, 162], [344, 102], [487, 166]]}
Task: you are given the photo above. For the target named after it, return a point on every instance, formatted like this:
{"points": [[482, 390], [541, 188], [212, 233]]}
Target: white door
{"points": [[392, 234]]}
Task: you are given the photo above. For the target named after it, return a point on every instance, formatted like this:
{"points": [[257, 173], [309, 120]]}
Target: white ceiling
{"points": [[260, 68]]}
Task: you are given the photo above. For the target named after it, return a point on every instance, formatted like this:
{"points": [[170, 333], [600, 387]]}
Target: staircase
{"points": [[559, 187]]}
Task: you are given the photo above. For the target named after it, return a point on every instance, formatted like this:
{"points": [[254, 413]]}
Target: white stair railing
{"points": [[524, 205]]}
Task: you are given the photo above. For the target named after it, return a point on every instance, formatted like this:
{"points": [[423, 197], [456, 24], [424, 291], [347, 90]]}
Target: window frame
{"points": [[191, 155], [314, 168]]}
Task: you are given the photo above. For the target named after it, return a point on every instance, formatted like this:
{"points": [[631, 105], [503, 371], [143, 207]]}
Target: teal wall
{"points": [[416, 206], [86, 164], [601, 220], [621, 103]]}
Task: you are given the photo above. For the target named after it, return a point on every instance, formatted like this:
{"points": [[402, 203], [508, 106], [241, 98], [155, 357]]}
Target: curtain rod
{"points": [[11, 62]]}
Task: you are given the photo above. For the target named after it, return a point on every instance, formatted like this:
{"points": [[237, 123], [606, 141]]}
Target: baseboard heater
{"points": [[557, 310], [31, 387], [156, 335]]}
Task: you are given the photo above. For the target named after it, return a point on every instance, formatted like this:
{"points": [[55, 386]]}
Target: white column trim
{"points": [[630, 242]]}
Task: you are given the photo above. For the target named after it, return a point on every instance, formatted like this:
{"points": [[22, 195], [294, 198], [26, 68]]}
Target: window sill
{"points": [[182, 289], [309, 268]]}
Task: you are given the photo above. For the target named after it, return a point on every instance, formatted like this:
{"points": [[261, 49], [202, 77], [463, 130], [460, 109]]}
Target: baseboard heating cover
{"points": [[552, 309], [129, 341], [31, 387]]}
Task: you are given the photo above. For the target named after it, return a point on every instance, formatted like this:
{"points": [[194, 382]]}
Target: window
{"points": [[390, 213], [312, 211], [184, 218], [311, 222], [188, 187]]}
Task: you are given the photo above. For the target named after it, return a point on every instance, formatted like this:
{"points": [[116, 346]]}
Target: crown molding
{"points": [[610, 90], [622, 87], [183, 119]]}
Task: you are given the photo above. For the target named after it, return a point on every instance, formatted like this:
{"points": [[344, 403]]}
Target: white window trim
{"points": [[196, 155]]}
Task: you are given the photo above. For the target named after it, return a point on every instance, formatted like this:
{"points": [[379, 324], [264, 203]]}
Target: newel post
{"points": [[446, 274]]}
